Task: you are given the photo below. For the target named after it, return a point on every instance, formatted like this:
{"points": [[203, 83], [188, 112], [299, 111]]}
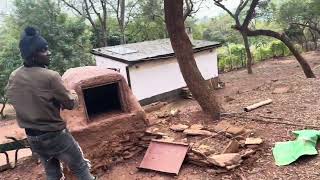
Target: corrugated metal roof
{"points": [[147, 50]]}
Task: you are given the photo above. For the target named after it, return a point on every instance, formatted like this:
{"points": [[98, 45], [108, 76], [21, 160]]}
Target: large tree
{"points": [[249, 31], [96, 13], [124, 12], [241, 29], [68, 38], [182, 47], [294, 13]]}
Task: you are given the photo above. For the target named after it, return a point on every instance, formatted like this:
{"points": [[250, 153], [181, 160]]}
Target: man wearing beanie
{"points": [[38, 94]]}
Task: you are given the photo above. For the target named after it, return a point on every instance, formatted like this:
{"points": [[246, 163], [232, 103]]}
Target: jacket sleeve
{"points": [[65, 98], [8, 87]]}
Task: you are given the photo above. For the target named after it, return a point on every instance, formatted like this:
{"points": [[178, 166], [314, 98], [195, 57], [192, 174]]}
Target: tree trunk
{"points": [[314, 39], [248, 52], [101, 38], [306, 42], [3, 116], [122, 23], [200, 89], [282, 37]]}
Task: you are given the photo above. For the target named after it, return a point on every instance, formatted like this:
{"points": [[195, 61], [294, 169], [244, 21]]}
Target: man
{"points": [[37, 94]]}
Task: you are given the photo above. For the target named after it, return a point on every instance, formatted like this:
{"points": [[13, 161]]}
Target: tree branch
{"points": [[72, 7], [89, 15], [189, 5], [104, 11], [240, 7], [96, 12], [250, 12], [129, 13], [282, 37], [217, 3], [308, 26]]}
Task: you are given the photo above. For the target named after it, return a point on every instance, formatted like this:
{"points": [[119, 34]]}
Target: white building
{"points": [[151, 69]]}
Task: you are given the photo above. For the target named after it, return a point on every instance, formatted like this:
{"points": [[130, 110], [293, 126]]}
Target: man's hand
{"points": [[75, 99]]}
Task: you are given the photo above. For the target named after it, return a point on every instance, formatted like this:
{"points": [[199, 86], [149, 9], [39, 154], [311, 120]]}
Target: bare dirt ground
{"points": [[300, 105]]}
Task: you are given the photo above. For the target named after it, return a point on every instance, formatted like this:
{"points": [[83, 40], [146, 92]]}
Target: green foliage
{"points": [[148, 23], [68, 38], [231, 57], [9, 55], [219, 29], [278, 49]]}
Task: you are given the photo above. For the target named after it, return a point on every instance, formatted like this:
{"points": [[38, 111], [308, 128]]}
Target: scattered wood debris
{"points": [[197, 126], [257, 105], [232, 147], [194, 132], [253, 141], [179, 127]]}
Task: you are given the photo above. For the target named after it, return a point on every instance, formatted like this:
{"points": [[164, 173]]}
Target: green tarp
{"points": [[305, 144]]}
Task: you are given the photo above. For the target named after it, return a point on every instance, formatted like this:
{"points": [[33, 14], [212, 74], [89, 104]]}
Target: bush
{"points": [[231, 57], [278, 49], [262, 53]]}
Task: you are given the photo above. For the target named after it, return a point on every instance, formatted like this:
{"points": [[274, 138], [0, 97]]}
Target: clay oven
{"points": [[109, 116]]}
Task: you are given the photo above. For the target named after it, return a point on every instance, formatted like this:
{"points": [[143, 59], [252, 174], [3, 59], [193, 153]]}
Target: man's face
{"points": [[43, 56]]}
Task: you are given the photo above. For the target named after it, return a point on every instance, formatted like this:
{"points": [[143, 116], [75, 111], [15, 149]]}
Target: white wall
{"points": [[109, 63], [156, 77]]}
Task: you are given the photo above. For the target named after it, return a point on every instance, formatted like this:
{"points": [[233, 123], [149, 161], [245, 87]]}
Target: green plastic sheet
{"points": [[285, 153]]}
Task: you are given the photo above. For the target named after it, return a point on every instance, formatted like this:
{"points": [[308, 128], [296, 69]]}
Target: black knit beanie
{"points": [[31, 41]]}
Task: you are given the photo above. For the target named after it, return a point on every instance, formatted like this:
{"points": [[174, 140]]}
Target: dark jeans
{"points": [[54, 147]]}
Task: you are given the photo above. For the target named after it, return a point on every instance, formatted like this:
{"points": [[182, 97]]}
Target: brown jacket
{"points": [[37, 94]]}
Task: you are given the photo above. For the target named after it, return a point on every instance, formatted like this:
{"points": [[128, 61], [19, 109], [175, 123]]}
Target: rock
{"points": [[232, 147], [163, 114], [195, 132], [196, 126], [174, 112], [222, 126], [160, 134], [179, 127], [247, 153], [281, 90], [203, 149], [162, 121], [253, 141], [151, 130], [228, 99], [223, 160], [184, 140], [167, 139], [197, 160], [235, 130], [232, 166]]}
